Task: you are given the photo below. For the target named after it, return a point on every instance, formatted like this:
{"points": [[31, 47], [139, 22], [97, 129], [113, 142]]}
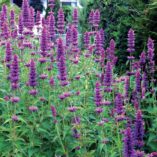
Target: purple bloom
{"points": [[98, 96], [142, 58], [99, 110], [128, 150], [25, 13], [76, 133], [139, 153], [15, 118], [12, 18], [98, 44], [138, 81], [52, 26], [127, 87], [51, 82], [8, 53], [44, 42], [33, 108], [33, 92], [14, 99], [91, 17], [72, 109], [74, 39], [96, 19], [75, 17], [131, 41], [38, 18], [108, 75], [86, 39], [139, 130], [60, 22], [32, 74], [102, 33], [53, 110], [14, 73], [68, 36], [51, 4], [119, 104]]}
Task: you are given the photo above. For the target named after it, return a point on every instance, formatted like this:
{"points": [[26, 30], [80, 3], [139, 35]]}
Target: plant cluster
{"points": [[60, 100]]}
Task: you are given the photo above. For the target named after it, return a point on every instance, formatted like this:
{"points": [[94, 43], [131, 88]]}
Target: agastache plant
{"points": [[60, 22]]}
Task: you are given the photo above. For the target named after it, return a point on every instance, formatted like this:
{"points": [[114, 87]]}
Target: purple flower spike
{"points": [[131, 41], [108, 75], [98, 96], [138, 82], [127, 87], [91, 17], [119, 104], [14, 99], [44, 42], [8, 53], [60, 48], [75, 17], [128, 150], [86, 39], [96, 18], [53, 110], [139, 130], [60, 22], [20, 24], [52, 26], [32, 74], [12, 18], [25, 13], [14, 73]]}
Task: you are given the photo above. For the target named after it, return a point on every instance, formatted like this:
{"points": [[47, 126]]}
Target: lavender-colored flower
{"points": [[74, 39], [128, 150], [91, 17], [38, 18], [33, 92], [54, 111], [51, 82], [150, 46], [44, 42], [33, 108], [20, 24], [31, 18], [62, 71], [108, 75], [51, 4], [12, 18], [76, 133], [72, 109], [143, 58], [14, 73], [138, 81], [119, 104], [25, 13], [75, 17], [15, 118], [5, 31], [99, 110], [60, 22], [60, 48], [4, 10], [52, 26], [8, 53], [15, 99], [139, 130], [68, 36], [102, 33], [98, 96], [131, 41], [32, 74], [43, 76], [98, 44], [127, 87], [139, 153], [96, 19], [86, 39]]}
